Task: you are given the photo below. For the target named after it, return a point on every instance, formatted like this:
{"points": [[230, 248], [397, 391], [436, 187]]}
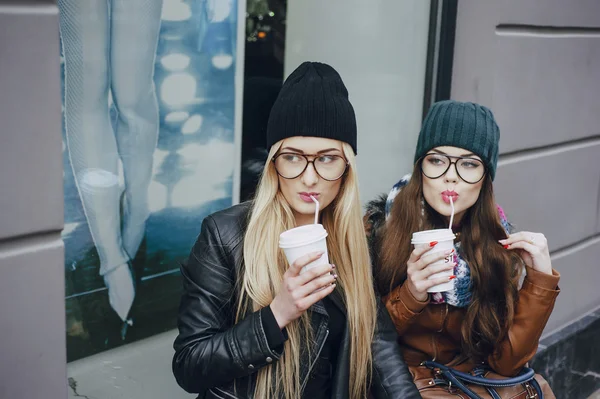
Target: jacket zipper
{"points": [[315, 359], [444, 316], [319, 351], [223, 392]]}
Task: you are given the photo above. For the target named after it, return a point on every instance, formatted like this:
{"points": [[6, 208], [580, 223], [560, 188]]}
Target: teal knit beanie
{"points": [[465, 125]]}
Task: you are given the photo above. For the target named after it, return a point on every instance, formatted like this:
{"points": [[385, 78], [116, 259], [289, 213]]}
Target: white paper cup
{"points": [[302, 240], [445, 239]]}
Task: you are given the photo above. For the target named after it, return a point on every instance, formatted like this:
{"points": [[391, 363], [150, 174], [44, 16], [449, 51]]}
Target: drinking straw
{"points": [[316, 209], [452, 215]]}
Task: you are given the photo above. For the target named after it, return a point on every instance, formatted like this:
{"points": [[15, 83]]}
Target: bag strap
{"points": [[453, 381], [460, 379], [524, 376]]}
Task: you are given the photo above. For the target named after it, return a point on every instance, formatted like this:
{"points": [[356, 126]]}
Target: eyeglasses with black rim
{"points": [[470, 170], [290, 165]]}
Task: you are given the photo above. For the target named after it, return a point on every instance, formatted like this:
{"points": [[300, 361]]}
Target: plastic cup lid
{"points": [[422, 237], [302, 235]]}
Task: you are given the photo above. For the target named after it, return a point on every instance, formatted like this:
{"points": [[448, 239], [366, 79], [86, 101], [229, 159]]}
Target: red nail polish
{"points": [[451, 277], [433, 243], [506, 246]]}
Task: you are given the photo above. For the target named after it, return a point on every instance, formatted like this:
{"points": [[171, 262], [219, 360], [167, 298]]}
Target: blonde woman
{"points": [[252, 326]]}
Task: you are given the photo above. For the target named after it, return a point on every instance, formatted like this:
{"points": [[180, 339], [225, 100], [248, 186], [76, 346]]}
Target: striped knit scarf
{"points": [[460, 295]]}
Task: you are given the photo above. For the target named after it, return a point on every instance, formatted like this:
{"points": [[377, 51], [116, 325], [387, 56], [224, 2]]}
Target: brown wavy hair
{"points": [[495, 271]]}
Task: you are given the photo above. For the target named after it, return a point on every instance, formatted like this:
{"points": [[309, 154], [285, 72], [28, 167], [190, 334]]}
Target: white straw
{"points": [[452, 215], [316, 209]]}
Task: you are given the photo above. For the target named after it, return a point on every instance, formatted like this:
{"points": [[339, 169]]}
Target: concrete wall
{"points": [[32, 344], [379, 48], [535, 63]]}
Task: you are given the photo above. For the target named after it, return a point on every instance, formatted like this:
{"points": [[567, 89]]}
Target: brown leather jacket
{"points": [[432, 331]]}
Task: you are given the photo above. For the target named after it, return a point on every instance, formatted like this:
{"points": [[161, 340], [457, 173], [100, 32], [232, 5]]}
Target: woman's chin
{"points": [[445, 211], [303, 210]]}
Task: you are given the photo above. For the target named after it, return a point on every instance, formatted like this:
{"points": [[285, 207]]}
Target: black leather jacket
{"points": [[211, 352]]}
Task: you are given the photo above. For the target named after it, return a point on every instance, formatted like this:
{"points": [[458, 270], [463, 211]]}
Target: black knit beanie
{"points": [[465, 125], [313, 101]]}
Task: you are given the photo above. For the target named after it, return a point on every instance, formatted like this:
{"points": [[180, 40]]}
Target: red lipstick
{"points": [[306, 196], [446, 195]]}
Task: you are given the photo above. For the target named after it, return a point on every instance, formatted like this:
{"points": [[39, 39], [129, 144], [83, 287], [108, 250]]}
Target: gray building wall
{"points": [[536, 64], [32, 312]]}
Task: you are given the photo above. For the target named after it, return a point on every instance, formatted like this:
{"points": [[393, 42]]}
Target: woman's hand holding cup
{"points": [[300, 291], [420, 267]]}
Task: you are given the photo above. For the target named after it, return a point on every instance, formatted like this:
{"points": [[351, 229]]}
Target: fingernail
{"points": [[433, 243], [451, 278], [506, 246], [335, 276], [333, 266], [448, 252]]}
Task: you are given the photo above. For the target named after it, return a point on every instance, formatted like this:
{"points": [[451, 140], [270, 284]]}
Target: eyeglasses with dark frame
{"points": [[290, 165], [470, 170]]}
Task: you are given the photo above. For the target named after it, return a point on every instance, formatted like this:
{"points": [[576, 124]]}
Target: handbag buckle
{"points": [[450, 389], [531, 392]]}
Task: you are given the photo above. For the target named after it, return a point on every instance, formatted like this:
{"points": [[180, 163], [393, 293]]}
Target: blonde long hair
{"points": [[265, 264]]}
